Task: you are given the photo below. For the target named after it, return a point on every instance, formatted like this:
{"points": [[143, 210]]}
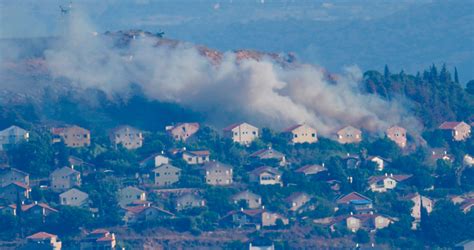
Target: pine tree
{"points": [[433, 73], [444, 75], [19, 214], [386, 73], [456, 77]]}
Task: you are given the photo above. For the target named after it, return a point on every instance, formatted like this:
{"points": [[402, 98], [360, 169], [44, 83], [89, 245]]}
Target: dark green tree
{"points": [[456, 77], [386, 73], [470, 87]]}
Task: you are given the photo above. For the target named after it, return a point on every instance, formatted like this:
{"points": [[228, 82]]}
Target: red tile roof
{"points": [[449, 125], [263, 169], [467, 204], [199, 152], [20, 184], [307, 168], [42, 205], [232, 126], [398, 178], [106, 238], [100, 231], [292, 128], [351, 197], [41, 236]]}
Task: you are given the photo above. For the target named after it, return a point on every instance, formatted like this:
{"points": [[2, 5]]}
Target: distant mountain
{"points": [[409, 38]]}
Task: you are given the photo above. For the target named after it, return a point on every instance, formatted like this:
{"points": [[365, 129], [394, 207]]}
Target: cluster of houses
{"points": [[161, 177]]}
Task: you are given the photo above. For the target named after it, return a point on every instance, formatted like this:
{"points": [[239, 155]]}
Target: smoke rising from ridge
{"points": [[262, 92]]}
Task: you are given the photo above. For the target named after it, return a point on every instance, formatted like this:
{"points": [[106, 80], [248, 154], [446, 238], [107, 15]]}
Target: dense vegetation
{"points": [[436, 97]]}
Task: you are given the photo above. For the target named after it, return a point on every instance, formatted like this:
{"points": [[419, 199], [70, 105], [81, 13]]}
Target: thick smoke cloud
{"points": [[260, 92]]}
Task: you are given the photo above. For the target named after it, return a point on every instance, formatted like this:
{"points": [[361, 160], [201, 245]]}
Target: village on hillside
{"points": [[66, 187]]}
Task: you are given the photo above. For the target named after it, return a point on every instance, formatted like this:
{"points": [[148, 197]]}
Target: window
{"points": [[313, 135], [254, 132]]}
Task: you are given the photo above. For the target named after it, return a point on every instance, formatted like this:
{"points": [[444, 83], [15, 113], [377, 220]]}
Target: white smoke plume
{"points": [[261, 92]]}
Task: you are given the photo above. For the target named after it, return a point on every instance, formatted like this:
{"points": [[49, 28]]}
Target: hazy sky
{"points": [[407, 35]]}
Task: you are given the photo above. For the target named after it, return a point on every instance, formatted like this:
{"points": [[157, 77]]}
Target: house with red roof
{"points": [[64, 178], [182, 131], [458, 131], [356, 202], [127, 136], [72, 136], [196, 157], [398, 135], [311, 169], [166, 175], [154, 160], [269, 154], [14, 191], [42, 240], [266, 175], [386, 182], [242, 133], [301, 133], [38, 210], [129, 194], [218, 173], [134, 214], [11, 136], [349, 134], [99, 239], [254, 218], [9, 175]]}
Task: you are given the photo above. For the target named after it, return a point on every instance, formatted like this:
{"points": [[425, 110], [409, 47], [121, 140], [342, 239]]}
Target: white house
{"points": [[242, 133], [74, 197]]}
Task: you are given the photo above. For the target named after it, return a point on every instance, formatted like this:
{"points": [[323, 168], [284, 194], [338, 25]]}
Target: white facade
{"points": [[73, 197]]}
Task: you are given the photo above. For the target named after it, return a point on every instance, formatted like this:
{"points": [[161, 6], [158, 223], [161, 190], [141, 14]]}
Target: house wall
{"points": [[63, 182], [397, 135], [129, 195], [252, 202], [9, 193], [11, 136], [165, 175], [381, 222], [243, 134], [183, 131], [299, 202], [9, 176], [349, 136], [75, 137], [353, 224], [461, 132], [304, 134], [188, 201], [129, 138], [159, 160], [219, 176], [269, 219], [73, 198], [193, 159], [269, 179], [386, 184], [379, 162], [416, 209]]}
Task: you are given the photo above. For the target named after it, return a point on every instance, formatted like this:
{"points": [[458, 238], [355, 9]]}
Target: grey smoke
{"points": [[260, 92]]}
